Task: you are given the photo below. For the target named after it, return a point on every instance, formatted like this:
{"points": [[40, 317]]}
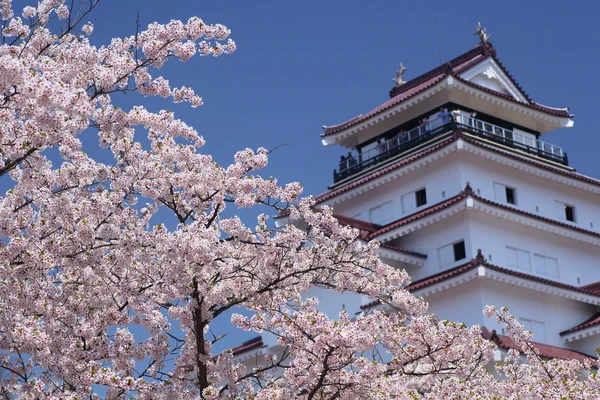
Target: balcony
{"points": [[384, 150]]}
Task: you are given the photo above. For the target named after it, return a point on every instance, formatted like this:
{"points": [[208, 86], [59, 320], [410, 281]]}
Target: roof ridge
{"points": [[444, 68]]}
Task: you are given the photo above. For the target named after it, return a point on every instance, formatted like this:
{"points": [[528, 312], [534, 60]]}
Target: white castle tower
{"points": [[455, 162], [452, 176]]}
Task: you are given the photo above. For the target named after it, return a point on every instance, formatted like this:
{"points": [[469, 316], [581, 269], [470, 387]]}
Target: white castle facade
{"points": [[453, 177]]}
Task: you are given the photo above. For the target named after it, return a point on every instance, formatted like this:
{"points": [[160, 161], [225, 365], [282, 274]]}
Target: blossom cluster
{"points": [[84, 266]]}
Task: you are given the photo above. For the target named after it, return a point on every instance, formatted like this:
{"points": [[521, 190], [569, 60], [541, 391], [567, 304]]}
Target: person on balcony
{"points": [[351, 163], [381, 148], [455, 115], [343, 164], [443, 115]]}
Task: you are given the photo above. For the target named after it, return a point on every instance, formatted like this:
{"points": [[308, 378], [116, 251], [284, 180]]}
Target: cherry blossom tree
{"points": [[84, 268]]}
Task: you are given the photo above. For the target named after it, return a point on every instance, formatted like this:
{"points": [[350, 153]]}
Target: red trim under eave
{"points": [[254, 343], [545, 350], [452, 68], [593, 321], [468, 192], [474, 263]]}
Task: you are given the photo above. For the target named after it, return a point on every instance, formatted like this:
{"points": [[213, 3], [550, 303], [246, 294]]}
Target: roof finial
{"points": [[468, 189], [479, 258], [398, 79], [483, 36]]}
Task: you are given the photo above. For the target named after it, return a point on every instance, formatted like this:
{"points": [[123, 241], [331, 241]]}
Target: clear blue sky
{"points": [[301, 65]]}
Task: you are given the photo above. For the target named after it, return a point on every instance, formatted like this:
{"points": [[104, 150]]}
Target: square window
{"points": [[510, 195], [459, 251], [421, 197], [451, 253]]}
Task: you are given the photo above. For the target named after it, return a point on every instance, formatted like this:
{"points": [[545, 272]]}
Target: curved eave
{"points": [[451, 89], [464, 202]]}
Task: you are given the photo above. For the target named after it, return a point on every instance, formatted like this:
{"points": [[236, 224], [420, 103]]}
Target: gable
{"points": [[491, 75]]}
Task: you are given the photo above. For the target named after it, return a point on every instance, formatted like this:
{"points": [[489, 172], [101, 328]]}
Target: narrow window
{"points": [[505, 194], [510, 195], [570, 213], [459, 251], [421, 197], [565, 212]]}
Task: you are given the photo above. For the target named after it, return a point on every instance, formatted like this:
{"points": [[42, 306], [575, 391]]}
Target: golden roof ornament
{"points": [[483, 36], [398, 79]]}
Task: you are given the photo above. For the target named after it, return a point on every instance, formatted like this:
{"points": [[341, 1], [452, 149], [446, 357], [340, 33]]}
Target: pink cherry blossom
{"points": [[97, 298]]}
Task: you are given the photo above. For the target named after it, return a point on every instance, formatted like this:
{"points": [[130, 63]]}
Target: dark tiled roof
{"points": [[559, 112], [367, 228], [415, 86], [399, 250], [376, 174], [454, 67], [468, 192], [545, 350], [535, 216], [594, 287], [474, 263], [420, 214], [254, 343], [593, 321]]}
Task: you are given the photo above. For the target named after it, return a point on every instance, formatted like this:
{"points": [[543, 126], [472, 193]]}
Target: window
{"points": [[412, 200], [565, 212], [381, 214], [451, 253], [537, 329], [510, 195], [570, 213], [505, 194], [421, 197], [518, 258], [546, 265]]}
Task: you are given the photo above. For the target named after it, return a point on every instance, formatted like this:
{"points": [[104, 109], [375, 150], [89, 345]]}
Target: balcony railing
{"points": [[405, 141]]}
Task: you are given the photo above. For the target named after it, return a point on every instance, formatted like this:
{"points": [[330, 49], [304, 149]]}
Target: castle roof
{"points": [[454, 68]]}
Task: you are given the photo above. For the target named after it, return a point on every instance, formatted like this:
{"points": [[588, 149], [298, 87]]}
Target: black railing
{"points": [[556, 156], [404, 142], [389, 149]]}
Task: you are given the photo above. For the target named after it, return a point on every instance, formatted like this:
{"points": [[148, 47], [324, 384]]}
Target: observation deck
{"points": [[408, 142]]}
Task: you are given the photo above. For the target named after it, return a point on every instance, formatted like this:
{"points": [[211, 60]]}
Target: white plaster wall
{"points": [[463, 303], [449, 176], [441, 180], [578, 262], [428, 239], [557, 313], [590, 345], [534, 194]]}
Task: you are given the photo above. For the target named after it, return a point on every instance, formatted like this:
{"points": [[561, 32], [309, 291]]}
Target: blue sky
{"points": [[301, 65]]}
